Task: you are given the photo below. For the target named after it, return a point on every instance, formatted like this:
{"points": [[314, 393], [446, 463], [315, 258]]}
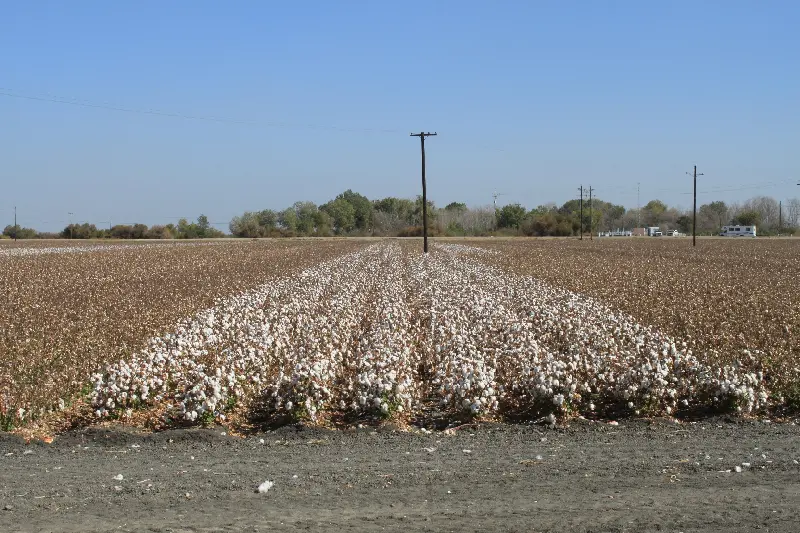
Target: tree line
{"points": [[200, 229], [353, 214]]}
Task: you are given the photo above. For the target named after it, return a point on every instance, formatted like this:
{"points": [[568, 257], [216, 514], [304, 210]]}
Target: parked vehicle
{"points": [[738, 231]]}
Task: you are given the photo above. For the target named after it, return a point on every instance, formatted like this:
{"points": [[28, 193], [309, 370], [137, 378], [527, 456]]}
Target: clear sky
{"points": [[529, 98]]}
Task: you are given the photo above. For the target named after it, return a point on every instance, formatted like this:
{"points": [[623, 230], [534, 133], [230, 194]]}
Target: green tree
{"points": [[510, 216], [653, 211], [456, 207], [288, 219], [748, 218], [322, 223], [202, 226], [431, 209], [246, 226], [362, 208], [268, 220], [11, 231], [713, 216], [158, 232], [80, 231], [401, 209], [684, 223], [342, 215], [306, 217]]}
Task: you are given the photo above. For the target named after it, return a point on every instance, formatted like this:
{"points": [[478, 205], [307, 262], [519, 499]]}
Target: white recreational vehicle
{"points": [[738, 231]]}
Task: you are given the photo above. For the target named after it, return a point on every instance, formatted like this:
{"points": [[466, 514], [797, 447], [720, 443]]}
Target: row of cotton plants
{"points": [[386, 331], [382, 369], [100, 247], [557, 350]]}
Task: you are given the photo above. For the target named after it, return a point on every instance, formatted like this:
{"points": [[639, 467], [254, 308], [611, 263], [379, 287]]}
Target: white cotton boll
{"points": [[264, 487], [289, 405]]}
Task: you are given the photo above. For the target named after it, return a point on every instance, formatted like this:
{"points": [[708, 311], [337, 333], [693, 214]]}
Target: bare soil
{"points": [[589, 477]]}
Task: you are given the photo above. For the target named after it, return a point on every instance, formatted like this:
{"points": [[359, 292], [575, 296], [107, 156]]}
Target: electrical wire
{"points": [[11, 93]]}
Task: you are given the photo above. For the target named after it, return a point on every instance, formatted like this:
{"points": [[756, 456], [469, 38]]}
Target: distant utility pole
{"points": [[15, 224], [638, 207], [780, 216], [422, 136], [495, 194], [69, 224], [494, 197], [694, 209], [591, 220], [581, 189]]}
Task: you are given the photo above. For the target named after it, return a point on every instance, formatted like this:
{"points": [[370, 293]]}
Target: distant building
{"points": [[639, 232]]}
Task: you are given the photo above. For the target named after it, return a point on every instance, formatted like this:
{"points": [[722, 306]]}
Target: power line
{"points": [[712, 190], [4, 91]]}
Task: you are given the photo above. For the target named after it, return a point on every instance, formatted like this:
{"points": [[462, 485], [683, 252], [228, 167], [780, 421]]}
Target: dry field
{"points": [[67, 308], [340, 331]]}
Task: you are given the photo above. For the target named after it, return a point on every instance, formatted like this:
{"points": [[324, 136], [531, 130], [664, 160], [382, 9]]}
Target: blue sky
{"points": [[529, 98]]}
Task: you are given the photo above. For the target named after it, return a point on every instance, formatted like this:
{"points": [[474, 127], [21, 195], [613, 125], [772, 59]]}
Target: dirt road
{"points": [[590, 477]]}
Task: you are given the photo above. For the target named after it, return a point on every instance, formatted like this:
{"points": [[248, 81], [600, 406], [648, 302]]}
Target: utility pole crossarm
{"points": [[422, 136]]}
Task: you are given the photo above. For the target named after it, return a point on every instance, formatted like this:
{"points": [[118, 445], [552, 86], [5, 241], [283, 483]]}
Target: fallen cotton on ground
{"points": [[386, 331]]}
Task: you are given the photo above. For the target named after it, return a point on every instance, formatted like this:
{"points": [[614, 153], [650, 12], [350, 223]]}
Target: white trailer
{"points": [[738, 231]]}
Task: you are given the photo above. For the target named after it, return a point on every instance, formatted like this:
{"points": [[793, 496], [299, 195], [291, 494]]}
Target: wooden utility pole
{"points": [[591, 218], [694, 209], [422, 136], [581, 231], [15, 224], [780, 216], [638, 207]]}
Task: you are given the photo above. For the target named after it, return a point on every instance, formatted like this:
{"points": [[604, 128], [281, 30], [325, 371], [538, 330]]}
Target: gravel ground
{"points": [[637, 476]]}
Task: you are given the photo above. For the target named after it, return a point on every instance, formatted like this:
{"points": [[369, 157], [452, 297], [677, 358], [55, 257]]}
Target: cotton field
{"points": [[336, 331], [386, 331]]}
